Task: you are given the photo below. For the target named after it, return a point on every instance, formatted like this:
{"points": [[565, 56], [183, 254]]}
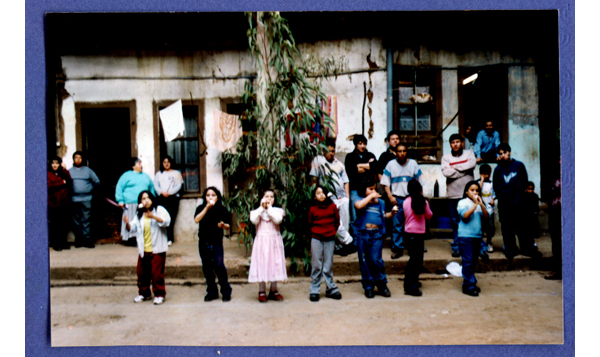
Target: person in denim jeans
{"points": [[472, 211], [369, 229]]}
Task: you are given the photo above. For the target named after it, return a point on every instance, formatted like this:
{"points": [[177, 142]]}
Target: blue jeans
{"points": [[398, 230], [82, 220], [469, 251], [455, 220], [372, 268], [214, 264]]}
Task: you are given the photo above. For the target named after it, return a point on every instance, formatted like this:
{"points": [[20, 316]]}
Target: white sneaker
{"points": [[490, 248], [159, 300], [170, 243], [141, 298]]}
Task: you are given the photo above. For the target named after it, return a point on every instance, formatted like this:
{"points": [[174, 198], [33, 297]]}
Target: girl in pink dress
{"points": [[268, 259]]}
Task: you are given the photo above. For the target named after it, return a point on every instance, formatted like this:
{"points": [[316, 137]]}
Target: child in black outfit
{"points": [[531, 208], [212, 217]]}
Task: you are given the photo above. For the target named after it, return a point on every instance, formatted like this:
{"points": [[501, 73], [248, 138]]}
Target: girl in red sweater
{"points": [[323, 220]]}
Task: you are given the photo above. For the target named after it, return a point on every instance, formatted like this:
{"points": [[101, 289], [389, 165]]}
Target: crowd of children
{"points": [[355, 213]]}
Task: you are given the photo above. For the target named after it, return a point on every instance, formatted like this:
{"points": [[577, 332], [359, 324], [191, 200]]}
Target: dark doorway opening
{"points": [[484, 100], [106, 142]]}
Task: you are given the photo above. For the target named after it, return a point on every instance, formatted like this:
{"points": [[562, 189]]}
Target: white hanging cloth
{"points": [[172, 121]]}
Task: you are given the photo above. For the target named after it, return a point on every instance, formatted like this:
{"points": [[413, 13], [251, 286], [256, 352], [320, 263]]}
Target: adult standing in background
{"points": [[361, 166], [458, 167], [555, 227], [84, 182], [168, 183], [393, 139], [129, 187], [510, 181], [486, 144], [59, 187], [395, 180]]}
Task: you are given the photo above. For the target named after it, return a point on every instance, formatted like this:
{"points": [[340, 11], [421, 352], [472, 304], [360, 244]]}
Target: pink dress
{"points": [[268, 258]]}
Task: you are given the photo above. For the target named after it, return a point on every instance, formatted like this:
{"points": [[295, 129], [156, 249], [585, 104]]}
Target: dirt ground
{"points": [[513, 308]]}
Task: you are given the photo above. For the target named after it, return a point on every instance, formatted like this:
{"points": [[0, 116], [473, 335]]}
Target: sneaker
{"points": [[314, 297], [170, 243], [455, 253], [490, 248], [335, 296], [141, 298], [159, 300]]}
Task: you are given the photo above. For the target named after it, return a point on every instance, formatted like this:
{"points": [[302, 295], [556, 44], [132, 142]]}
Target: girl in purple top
{"points": [[416, 212]]}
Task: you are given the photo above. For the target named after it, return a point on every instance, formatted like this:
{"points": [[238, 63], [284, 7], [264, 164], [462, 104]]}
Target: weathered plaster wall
{"points": [[523, 114], [132, 78]]}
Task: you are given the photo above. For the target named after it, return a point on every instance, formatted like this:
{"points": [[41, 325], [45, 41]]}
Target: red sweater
{"points": [[324, 221]]}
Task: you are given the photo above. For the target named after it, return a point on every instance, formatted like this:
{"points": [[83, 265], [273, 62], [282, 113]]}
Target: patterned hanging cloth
{"points": [[226, 130]]}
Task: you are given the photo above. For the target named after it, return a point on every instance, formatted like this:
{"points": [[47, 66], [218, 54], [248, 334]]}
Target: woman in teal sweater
{"points": [[129, 187]]}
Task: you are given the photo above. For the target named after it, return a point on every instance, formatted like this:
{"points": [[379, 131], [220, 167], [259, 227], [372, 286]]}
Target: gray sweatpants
{"points": [[322, 262]]}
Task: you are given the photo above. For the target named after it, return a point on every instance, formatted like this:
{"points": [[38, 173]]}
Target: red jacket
{"points": [[58, 189], [324, 221]]}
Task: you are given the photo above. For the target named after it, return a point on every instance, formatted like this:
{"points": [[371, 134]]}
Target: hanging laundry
{"points": [[329, 106], [226, 131], [172, 121]]}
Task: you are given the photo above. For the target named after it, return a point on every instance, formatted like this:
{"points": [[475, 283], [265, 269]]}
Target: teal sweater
{"points": [[131, 184]]}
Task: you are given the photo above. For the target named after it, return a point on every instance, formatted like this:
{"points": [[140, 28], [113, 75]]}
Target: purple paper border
{"points": [[37, 312]]}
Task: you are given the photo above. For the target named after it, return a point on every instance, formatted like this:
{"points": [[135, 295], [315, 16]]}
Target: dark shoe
{"points": [[397, 254], [471, 292], [369, 294], [484, 257], [385, 292], [226, 297], [477, 288], [262, 297], [58, 249], [66, 247], [415, 292], [314, 297], [553, 276], [335, 296], [534, 254], [211, 297], [455, 253], [351, 249], [78, 245], [341, 252], [89, 245], [419, 284], [424, 250], [275, 295]]}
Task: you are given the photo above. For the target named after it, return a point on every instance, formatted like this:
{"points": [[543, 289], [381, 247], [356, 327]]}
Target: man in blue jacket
{"points": [[509, 181]]}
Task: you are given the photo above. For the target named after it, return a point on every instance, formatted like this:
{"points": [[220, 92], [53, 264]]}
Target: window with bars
{"points": [[185, 150], [416, 101]]}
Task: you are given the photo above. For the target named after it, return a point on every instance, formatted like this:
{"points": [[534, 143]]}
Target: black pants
{"points": [[58, 226], [171, 204], [555, 226], [512, 223], [414, 243], [213, 264]]}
